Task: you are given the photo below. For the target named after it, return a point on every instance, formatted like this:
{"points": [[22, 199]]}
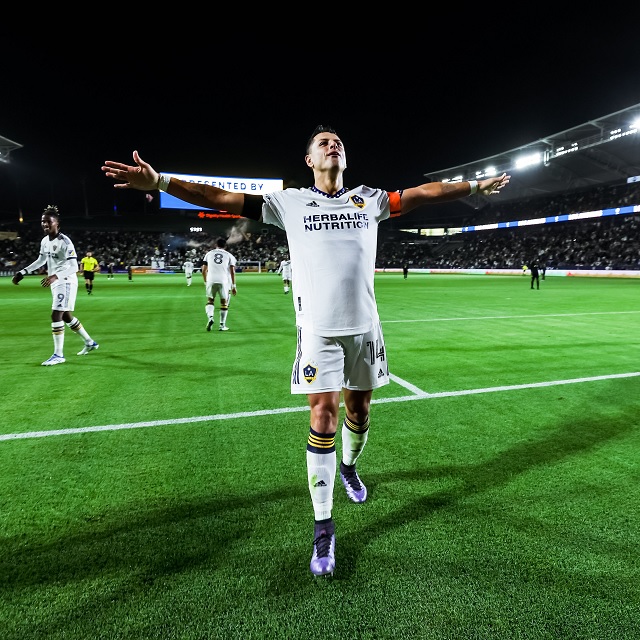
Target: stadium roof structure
{"points": [[6, 147], [603, 151]]}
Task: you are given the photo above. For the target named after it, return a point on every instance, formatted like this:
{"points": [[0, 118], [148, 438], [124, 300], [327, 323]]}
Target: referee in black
{"points": [[535, 273]]}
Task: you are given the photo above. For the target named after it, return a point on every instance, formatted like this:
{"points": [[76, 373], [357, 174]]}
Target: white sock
{"points": [[321, 473], [57, 329], [354, 437], [76, 326]]}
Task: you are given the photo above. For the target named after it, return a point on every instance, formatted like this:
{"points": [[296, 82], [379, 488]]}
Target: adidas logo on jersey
{"points": [[313, 203]]}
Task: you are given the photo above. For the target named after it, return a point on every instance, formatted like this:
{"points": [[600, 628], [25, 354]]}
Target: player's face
{"points": [[327, 152], [49, 224]]}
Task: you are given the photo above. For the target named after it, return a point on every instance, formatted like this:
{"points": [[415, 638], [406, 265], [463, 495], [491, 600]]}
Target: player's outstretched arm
{"points": [[437, 192], [145, 178], [489, 186], [142, 176]]}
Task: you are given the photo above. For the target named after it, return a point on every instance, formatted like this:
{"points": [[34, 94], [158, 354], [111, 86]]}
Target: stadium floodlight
{"points": [[486, 173], [528, 161], [562, 151], [619, 133]]}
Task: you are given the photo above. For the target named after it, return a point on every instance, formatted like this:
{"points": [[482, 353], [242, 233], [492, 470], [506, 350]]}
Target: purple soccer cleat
{"points": [[323, 560], [356, 491]]}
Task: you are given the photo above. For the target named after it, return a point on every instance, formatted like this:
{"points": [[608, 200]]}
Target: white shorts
{"points": [[355, 362], [220, 288], [64, 293]]}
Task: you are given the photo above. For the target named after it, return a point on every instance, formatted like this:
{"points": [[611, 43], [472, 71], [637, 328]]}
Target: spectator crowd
{"points": [[611, 242]]}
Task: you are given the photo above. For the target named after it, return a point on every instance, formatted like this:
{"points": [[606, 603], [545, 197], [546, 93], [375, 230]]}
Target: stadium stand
{"points": [[593, 166], [601, 152]]}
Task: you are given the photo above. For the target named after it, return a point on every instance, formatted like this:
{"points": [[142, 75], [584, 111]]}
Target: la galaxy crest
{"points": [[310, 372], [357, 201]]}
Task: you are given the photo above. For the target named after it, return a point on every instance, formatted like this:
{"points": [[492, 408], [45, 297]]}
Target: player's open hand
{"points": [[493, 185], [142, 177]]}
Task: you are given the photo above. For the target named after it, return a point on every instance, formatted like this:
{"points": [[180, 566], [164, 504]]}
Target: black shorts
{"points": [[88, 275]]}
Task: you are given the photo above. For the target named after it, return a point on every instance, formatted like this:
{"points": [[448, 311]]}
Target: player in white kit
{"points": [[219, 274], [59, 254], [187, 265], [285, 270], [332, 236]]}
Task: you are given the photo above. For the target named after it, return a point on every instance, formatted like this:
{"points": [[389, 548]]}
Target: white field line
{"points": [[416, 394], [509, 317]]}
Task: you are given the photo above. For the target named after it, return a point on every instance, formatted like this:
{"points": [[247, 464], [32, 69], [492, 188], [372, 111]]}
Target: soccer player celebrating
{"points": [[332, 237]]}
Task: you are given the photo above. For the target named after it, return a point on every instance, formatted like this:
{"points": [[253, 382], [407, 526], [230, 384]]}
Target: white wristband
{"points": [[233, 286], [474, 186], [163, 182]]}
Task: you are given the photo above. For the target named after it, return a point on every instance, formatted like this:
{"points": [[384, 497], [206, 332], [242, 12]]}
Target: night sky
{"points": [[204, 110]]}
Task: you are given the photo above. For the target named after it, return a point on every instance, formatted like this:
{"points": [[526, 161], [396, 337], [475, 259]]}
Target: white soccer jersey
{"points": [[285, 269], [60, 257], [218, 262], [188, 267], [332, 243]]}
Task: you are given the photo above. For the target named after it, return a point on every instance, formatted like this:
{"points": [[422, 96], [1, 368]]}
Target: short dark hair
{"points": [[51, 210], [321, 128], [221, 242]]}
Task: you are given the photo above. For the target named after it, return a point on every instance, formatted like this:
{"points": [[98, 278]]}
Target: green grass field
{"points": [[156, 488]]}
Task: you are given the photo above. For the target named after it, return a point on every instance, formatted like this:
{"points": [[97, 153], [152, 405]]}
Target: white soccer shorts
{"points": [[64, 293], [220, 288], [355, 362]]}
